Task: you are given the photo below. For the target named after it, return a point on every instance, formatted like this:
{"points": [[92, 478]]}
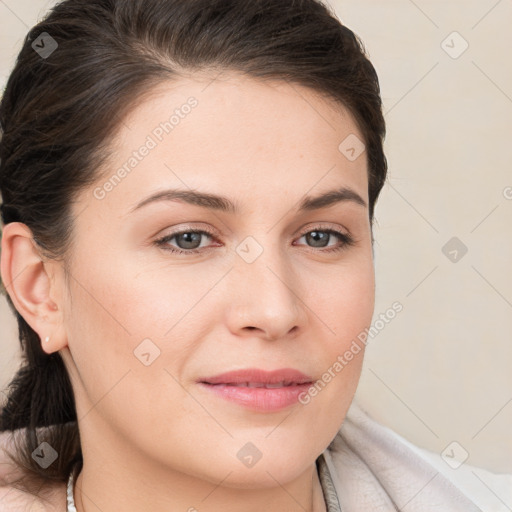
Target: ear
{"points": [[29, 279]]}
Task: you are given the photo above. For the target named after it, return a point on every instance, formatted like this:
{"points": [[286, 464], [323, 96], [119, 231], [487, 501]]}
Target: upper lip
{"points": [[256, 375]]}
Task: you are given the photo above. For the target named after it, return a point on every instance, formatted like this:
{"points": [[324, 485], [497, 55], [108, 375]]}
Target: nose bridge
{"points": [[267, 287]]}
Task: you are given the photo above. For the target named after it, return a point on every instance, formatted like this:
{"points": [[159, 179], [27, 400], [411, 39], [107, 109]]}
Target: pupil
{"points": [[318, 236], [189, 239]]}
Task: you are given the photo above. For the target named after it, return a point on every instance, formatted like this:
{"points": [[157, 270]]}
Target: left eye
{"points": [[319, 236], [187, 241]]}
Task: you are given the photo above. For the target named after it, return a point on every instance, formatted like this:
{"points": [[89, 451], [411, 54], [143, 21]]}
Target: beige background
{"points": [[440, 371]]}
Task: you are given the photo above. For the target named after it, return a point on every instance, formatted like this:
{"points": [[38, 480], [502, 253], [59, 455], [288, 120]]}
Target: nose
{"points": [[266, 298]]}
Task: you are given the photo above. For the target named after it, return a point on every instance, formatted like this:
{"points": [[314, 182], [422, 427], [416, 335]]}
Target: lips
{"points": [[258, 378], [261, 385], [258, 390]]}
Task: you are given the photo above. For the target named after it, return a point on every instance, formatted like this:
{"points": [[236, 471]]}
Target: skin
{"points": [[152, 439]]}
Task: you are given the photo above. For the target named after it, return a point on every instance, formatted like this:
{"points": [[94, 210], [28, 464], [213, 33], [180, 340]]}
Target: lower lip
{"points": [[259, 399]]}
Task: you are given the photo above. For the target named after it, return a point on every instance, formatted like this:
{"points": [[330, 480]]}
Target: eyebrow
{"points": [[223, 204]]}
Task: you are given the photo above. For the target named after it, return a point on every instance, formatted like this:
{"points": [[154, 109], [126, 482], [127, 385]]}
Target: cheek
{"points": [[124, 369], [108, 320], [128, 303], [345, 310], [344, 300], [134, 327]]}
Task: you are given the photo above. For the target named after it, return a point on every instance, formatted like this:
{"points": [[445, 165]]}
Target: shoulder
{"points": [[14, 497]]}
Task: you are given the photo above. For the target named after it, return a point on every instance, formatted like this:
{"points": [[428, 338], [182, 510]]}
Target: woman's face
{"points": [[263, 287]]}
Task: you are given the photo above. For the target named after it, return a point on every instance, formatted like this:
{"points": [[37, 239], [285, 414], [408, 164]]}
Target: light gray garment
{"points": [[372, 470]]}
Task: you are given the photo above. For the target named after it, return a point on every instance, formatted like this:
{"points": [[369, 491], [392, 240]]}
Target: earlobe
{"points": [[25, 276]]}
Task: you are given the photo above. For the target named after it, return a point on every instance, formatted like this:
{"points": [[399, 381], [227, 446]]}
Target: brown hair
{"points": [[61, 108]]}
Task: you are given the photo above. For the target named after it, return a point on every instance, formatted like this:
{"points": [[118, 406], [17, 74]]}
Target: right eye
{"points": [[191, 238]]}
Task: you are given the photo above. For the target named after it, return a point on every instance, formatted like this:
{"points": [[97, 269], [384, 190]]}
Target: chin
{"points": [[264, 477]]}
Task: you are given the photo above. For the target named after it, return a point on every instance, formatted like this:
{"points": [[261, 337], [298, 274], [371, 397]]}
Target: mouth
{"points": [[259, 390], [266, 385], [256, 377]]}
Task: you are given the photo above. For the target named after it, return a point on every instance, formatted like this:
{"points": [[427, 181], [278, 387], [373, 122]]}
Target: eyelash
{"points": [[346, 240]]}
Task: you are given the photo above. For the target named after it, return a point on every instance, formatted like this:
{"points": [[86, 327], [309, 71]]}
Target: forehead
{"points": [[236, 136]]}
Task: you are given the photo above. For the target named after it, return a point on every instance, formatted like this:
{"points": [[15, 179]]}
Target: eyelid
{"points": [[323, 225], [214, 234], [186, 228]]}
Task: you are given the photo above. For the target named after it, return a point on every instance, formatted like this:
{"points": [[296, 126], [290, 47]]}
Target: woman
{"points": [[188, 197]]}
